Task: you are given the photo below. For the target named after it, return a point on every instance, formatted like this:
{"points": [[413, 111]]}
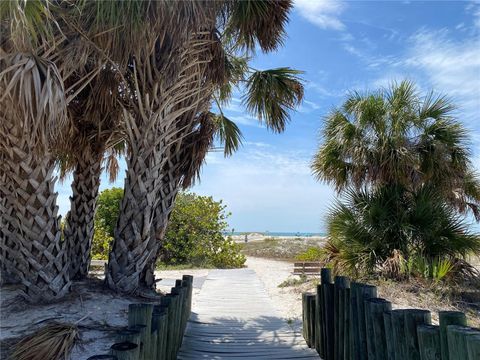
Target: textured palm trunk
{"points": [[132, 249], [79, 222], [36, 250], [9, 250]]}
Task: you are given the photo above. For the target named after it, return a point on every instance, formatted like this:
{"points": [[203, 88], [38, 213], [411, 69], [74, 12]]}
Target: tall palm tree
{"points": [[269, 95], [32, 116], [396, 136], [96, 116]]}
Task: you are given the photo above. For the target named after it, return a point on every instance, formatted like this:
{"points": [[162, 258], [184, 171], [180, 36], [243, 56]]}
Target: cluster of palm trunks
{"points": [[346, 320], [155, 330]]}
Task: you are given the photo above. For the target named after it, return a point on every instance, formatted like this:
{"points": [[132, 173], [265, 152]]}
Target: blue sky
{"points": [[341, 46]]}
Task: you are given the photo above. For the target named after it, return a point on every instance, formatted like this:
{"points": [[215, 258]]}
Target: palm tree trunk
{"points": [[39, 255], [132, 249], [79, 222]]}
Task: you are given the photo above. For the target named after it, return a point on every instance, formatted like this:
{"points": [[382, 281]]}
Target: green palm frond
{"points": [[30, 23], [228, 133], [236, 69], [254, 21], [271, 94]]}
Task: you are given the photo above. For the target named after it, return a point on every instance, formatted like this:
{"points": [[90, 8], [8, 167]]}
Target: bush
{"points": [[195, 234], [370, 228], [311, 254], [106, 215]]}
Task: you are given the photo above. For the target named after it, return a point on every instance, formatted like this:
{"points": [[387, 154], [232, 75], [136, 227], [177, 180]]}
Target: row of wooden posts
{"points": [[155, 331], [347, 321]]}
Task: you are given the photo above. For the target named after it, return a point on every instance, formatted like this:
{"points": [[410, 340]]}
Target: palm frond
{"points": [[271, 94], [253, 21], [228, 133]]}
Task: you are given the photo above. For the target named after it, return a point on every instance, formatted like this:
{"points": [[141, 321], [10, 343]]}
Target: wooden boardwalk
{"points": [[234, 318]]}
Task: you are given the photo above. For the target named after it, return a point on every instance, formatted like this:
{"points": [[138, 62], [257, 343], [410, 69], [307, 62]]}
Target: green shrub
{"points": [[101, 243], [311, 254], [369, 227], [195, 234]]}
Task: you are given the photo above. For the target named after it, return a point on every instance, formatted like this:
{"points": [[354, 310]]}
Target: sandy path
{"points": [[287, 300]]}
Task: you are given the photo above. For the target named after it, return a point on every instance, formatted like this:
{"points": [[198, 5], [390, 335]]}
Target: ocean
{"points": [[273, 233]]}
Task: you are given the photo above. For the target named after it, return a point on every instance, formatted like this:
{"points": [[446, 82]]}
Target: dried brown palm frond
{"points": [[53, 342], [32, 99]]}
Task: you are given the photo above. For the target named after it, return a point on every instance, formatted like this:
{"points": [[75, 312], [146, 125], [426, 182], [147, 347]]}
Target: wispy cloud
{"points": [[323, 13], [264, 185], [451, 66]]}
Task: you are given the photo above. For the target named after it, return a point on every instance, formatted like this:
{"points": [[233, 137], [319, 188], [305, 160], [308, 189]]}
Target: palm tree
{"points": [[395, 136], [402, 164], [96, 119], [130, 270]]}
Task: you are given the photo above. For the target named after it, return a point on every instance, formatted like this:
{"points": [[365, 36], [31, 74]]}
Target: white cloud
{"points": [[323, 13], [268, 188], [451, 67]]}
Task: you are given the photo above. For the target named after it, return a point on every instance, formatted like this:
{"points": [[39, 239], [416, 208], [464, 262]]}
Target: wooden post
{"points": [[311, 323], [364, 292], [354, 324], [341, 282], [429, 342], [328, 298], [189, 280], [347, 321], [167, 302], [449, 318], [398, 331], [178, 291], [387, 322], [414, 318], [141, 314], [125, 351], [304, 317], [374, 316], [102, 357], [319, 321], [131, 334], [457, 341], [473, 347], [325, 278]]}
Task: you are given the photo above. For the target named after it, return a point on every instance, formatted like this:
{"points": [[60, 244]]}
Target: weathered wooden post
{"points": [[347, 320], [189, 280], [457, 341], [178, 291], [429, 342], [130, 334], [387, 322], [376, 307], [364, 292], [340, 283], [414, 318], [311, 323], [449, 318], [141, 314], [328, 300], [125, 351], [473, 347], [325, 278], [167, 302], [354, 324], [304, 317], [398, 331], [319, 321]]}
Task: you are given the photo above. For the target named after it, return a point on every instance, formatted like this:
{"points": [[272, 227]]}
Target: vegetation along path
{"points": [[234, 318]]}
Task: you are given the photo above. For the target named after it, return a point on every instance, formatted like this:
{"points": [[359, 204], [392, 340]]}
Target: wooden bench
{"points": [[306, 268]]}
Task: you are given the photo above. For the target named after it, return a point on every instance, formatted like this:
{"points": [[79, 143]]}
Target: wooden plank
{"points": [[233, 318]]}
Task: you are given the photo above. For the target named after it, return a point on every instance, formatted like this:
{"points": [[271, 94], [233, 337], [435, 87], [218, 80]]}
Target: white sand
{"points": [[287, 300]]}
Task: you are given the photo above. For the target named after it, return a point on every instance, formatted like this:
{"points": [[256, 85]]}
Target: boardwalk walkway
{"points": [[234, 318]]}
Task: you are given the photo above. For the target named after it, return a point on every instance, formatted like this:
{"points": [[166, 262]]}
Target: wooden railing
{"points": [[155, 330], [346, 320]]}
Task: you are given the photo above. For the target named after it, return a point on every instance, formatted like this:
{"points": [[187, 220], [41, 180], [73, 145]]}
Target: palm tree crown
{"points": [[396, 136]]}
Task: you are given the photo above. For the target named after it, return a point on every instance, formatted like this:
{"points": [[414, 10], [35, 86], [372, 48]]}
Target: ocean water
{"points": [[273, 233]]}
